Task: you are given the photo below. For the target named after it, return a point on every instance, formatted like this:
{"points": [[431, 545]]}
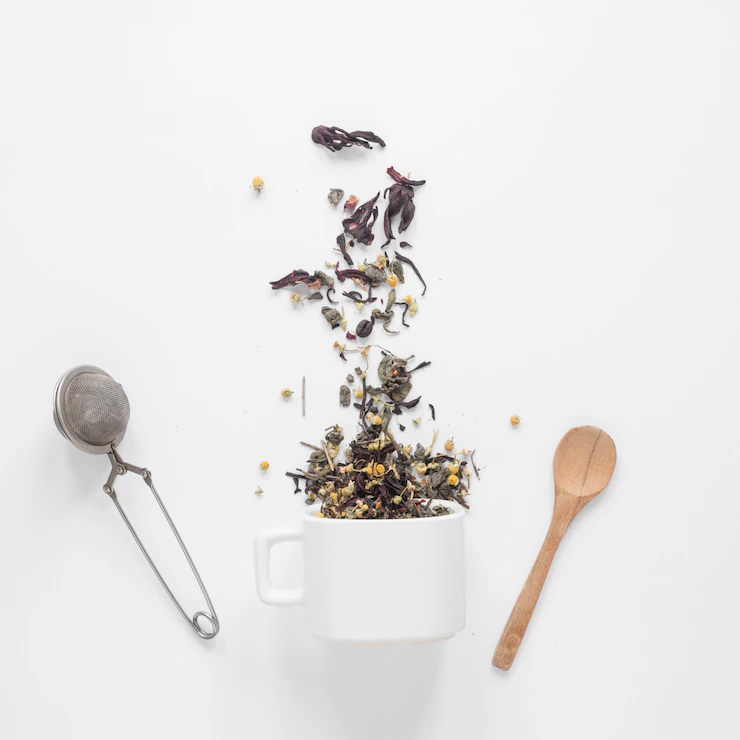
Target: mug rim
{"points": [[457, 513]]}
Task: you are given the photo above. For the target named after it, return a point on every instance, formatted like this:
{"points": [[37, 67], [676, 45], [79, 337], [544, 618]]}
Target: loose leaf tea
{"points": [[360, 224], [401, 180], [332, 316], [334, 138], [382, 479], [401, 258], [344, 396], [342, 244], [293, 278], [335, 196], [400, 200], [368, 275]]}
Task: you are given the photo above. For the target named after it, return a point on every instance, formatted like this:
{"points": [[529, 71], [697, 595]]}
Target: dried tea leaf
{"points": [[332, 316], [344, 396], [407, 261], [397, 269], [375, 276], [386, 317], [335, 196], [326, 280]]}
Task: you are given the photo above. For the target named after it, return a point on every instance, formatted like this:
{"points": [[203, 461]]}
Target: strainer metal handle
{"points": [[119, 467]]}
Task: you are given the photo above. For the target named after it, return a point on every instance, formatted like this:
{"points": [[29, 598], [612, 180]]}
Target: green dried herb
{"points": [[332, 316], [335, 196], [382, 479]]}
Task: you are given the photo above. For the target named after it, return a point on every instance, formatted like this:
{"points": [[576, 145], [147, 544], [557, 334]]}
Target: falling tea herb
{"points": [[342, 244], [333, 317], [381, 274], [400, 201], [335, 196], [381, 478], [408, 262], [360, 224], [335, 139]]}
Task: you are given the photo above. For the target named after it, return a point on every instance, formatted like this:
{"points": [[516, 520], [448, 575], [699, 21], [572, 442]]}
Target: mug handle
{"points": [[265, 590]]}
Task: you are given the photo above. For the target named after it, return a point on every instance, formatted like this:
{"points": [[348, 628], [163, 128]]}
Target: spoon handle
{"points": [[513, 633]]}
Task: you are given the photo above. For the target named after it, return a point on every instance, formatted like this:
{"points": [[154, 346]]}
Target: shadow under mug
{"points": [[388, 581]]}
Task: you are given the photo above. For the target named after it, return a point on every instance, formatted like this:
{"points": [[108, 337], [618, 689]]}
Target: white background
{"points": [[579, 234]]}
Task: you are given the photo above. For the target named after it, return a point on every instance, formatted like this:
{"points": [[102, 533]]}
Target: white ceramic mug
{"points": [[399, 580]]}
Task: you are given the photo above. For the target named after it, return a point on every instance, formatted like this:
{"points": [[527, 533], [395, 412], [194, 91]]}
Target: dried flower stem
{"points": [[475, 467], [303, 395], [328, 456]]}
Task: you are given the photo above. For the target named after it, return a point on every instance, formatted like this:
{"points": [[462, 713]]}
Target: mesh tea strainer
{"points": [[91, 410]]}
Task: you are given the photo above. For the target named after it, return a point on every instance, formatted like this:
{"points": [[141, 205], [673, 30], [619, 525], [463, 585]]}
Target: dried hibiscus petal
{"points": [[360, 224], [334, 138], [400, 200], [293, 278], [399, 178], [342, 244], [342, 275]]}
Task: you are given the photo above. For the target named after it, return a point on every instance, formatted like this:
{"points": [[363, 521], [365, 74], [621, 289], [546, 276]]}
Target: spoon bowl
{"points": [[584, 462]]}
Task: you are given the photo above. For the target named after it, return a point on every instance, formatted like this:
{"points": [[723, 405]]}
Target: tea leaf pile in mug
{"points": [[381, 478]]}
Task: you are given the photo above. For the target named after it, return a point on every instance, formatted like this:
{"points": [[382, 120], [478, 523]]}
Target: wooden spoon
{"points": [[583, 465]]}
